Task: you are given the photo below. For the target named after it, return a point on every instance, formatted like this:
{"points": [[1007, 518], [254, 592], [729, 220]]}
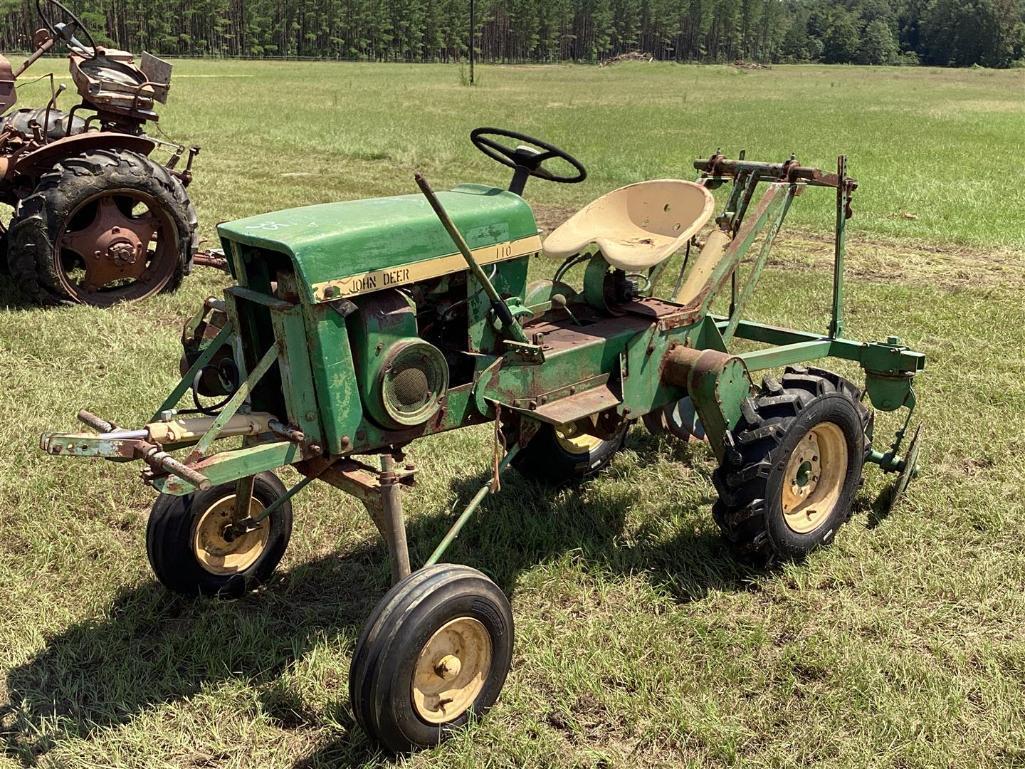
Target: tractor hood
{"points": [[360, 246]]}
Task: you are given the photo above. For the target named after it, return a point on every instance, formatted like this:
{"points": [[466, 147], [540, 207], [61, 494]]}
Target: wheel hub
{"points": [[448, 667], [574, 440], [123, 249], [814, 477], [451, 670], [123, 241], [216, 550]]}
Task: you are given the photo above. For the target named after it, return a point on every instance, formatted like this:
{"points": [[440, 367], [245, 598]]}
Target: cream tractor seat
{"points": [[636, 226]]}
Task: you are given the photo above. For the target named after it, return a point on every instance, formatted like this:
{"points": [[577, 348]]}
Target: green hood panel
{"points": [[353, 247]]}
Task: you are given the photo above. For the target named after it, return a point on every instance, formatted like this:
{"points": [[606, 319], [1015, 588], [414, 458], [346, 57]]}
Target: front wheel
{"points": [[788, 482], [191, 552], [434, 653]]}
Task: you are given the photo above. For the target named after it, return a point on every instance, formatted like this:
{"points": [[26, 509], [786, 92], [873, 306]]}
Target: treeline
{"points": [[940, 32]]}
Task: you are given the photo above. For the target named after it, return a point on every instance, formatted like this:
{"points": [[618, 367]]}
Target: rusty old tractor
{"points": [[354, 329], [96, 219]]}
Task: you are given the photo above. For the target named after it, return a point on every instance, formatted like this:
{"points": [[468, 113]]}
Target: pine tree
{"points": [[939, 32]]}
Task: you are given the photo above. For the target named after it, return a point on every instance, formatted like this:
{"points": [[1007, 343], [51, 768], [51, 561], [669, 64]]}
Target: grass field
{"points": [[640, 640]]}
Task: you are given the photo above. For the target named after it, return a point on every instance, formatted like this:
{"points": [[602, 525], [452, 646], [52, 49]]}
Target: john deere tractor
{"points": [[353, 329], [96, 219]]}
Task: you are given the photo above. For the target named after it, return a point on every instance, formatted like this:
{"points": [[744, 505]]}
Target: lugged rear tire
{"points": [[807, 431], [71, 183]]}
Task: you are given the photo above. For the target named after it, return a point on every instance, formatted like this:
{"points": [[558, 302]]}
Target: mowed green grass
{"points": [[640, 640], [938, 151]]}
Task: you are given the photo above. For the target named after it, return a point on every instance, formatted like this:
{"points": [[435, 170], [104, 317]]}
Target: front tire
{"points": [[788, 482], [190, 555], [434, 653], [103, 227]]}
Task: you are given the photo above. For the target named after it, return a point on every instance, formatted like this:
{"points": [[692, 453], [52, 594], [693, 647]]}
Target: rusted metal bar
{"points": [[211, 258], [36, 56], [93, 421], [790, 171], [162, 461], [287, 432], [391, 523]]}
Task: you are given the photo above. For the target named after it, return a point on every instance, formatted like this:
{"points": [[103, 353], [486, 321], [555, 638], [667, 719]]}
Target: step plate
{"points": [[576, 407]]}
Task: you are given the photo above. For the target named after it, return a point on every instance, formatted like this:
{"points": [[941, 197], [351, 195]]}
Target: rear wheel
{"points": [[190, 552], [788, 482], [434, 653], [100, 228], [566, 454]]}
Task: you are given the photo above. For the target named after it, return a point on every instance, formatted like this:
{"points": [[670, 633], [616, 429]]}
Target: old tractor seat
{"points": [[110, 70], [636, 226]]}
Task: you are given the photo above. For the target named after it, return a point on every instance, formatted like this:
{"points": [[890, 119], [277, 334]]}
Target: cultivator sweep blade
{"points": [[907, 474]]}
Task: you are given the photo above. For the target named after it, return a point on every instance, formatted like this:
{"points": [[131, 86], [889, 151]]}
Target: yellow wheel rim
{"points": [[215, 553], [451, 670], [572, 439], [814, 477]]}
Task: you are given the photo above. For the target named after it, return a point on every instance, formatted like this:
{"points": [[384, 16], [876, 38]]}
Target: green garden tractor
{"points": [[352, 329]]}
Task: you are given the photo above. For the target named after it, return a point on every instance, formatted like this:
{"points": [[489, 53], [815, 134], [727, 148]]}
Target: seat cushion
{"points": [[637, 226]]}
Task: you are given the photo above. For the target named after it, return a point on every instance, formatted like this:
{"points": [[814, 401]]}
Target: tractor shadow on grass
{"points": [[154, 648]]}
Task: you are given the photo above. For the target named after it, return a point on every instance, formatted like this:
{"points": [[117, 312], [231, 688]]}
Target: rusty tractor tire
{"points": [[88, 205], [188, 553], [793, 464], [556, 459], [434, 654]]}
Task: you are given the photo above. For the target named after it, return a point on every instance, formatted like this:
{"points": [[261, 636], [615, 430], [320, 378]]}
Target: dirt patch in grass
{"points": [[885, 260], [877, 259], [550, 217]]}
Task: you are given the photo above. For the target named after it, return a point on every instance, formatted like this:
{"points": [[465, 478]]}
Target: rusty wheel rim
{"points": [[118, 245], [814, 477], [451, 670], [218, 555]]}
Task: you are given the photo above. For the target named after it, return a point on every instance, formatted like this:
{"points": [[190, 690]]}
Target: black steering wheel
{"points": [[527, 158], [65, 27]]}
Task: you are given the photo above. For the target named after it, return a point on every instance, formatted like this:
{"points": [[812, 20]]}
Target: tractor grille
{"points": [[414, 379], [411, 388]]}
